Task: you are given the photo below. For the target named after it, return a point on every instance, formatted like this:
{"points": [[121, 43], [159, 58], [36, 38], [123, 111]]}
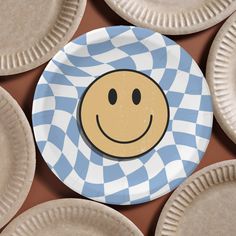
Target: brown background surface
{"points": [[46, 186]]}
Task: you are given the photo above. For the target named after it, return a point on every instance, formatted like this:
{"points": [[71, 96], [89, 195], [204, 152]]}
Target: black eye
{"points": [[136, 96], [112, 96]]}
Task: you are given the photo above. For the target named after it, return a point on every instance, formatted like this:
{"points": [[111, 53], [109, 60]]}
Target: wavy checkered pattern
{"points": [[110, 180]]}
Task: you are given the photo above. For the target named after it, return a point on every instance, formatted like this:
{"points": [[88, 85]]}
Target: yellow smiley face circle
{"points": [[124, 113]]}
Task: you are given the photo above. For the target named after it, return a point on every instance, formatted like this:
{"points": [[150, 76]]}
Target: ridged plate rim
{"points": [[45, 214], [181, 199], [173, 23], [221, 52], [22, 176], [61, 32]]}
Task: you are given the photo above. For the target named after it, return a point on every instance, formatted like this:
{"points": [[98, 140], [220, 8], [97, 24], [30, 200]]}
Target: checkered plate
{"points": [[85, 170]]}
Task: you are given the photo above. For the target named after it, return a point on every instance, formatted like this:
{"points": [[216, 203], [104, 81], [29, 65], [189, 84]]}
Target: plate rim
{"points": [[70, 202], [196, 176], [210, 69], [21, 61], [146, 17], [31, 158]]}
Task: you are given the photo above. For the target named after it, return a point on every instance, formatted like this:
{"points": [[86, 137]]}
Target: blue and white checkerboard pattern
{"points": [[117, 181]]}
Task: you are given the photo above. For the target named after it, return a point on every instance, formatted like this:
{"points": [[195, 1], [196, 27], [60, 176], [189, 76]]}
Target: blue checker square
{"points": [[194, 85], [81, 62], [67, 70], [66, 104], [168, 79], [81, 165], [63, 167], [169, 153], [185, 139], [158, 181], [134, 48], [137, 176], [93, 190], [189, 166], [112, 173], [116, 32], [56, 78], [121, 181], [175, 183], [160, 58], [56, 136], [203, 131], [126, 62], [70, 132], [42, 118], [43, 90], [186, 115], [184, 62], [174, 98], [206, 103], [96, 49], [119, 197]]}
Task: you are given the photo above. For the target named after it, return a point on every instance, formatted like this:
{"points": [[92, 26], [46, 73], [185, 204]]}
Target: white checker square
{"points": [[61, 119], [42, 80], [84, 148], [192, 153], [54, 68], [140, 64], [91, 36], [157, 74], [61, 57], [116, 186], [192, 101], [110, 56], [195, 70], [135, 193], [94, 174], [97, 70], [180, 83], [173, 111], [164, 190], [41, 131], [107, 161], [205, 118], [152, 41], [60, 90], [52, 153], [154, 161], [173, 55], [84, 81], [100, 199], [123, 39], [175, 170], [205, 88], [184, 127], [167, 140], [202, 143], [44, 104], [74, 182], [70, 151], [77, 50], [134, 165]]}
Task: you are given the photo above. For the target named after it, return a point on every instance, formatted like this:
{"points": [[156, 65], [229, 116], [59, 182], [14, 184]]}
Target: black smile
{"points": [[123, 142]]}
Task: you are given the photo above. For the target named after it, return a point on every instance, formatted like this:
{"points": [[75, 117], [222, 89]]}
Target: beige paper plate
{"points": [[174, 17], [17, 157], [204, 205], [67, 217], [31, 32], [221, 75]]}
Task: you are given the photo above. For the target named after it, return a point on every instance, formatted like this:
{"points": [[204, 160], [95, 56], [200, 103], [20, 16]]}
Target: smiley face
{"points": [[124, 113]]}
